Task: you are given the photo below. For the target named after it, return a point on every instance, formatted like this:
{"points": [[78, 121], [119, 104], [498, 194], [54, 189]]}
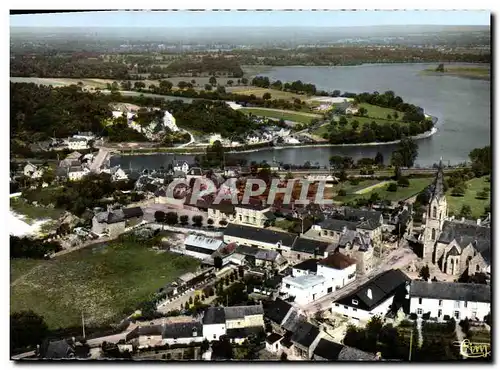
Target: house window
{"points": [[336, 304], [419, 311], [214, 336], [474, 314], [440, 312], [298, 256], [329, 290], [354, 309], [477, 268], [440, 302], [420, 301], [457, 315], [354, 302], [346, 308], [465, 304], [457, 304], [325, 232], [434, 212], [287, 286]]}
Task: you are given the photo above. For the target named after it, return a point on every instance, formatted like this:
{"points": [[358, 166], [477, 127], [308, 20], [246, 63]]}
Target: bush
{"points": [[446, 317], [354, 182], [342, 193], [404, 182], [413, 316], [426, 316], [392, 187]]}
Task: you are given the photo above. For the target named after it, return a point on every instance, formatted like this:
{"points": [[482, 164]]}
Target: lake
{"points": [[461, 105]]}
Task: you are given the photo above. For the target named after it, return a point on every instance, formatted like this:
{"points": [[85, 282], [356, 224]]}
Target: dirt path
{"points": [[371, 187]]}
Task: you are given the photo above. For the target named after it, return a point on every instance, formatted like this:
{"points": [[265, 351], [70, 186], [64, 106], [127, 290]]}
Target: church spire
{"points": [[438, 188]]}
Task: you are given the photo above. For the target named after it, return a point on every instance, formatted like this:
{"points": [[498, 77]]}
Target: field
{"points": [[259, 92], [416, 185], [477, 205], [380, 112], [33, 213], [103, 281], [278, 114]]}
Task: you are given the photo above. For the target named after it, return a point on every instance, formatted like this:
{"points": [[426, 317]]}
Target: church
{"points": [[454, 245]]}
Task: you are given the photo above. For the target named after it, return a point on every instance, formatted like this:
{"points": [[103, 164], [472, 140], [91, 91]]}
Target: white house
{"points": [[291, 140], [77, 173], [77, 143], [375, 297], [118, 174], [457, 300], [305, 288], [170, 333], [338, 270], [85, 135], [273, 343], [32, 171], [169, 121], [181, 166], [214, 137], [214, 323]]}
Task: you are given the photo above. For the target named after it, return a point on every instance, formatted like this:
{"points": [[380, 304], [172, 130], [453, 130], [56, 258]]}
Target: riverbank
{"points": [[475, 73]]}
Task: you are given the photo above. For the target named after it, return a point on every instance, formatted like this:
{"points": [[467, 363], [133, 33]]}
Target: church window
{"points": [[433, 234], [477, 268], [434, 212]]}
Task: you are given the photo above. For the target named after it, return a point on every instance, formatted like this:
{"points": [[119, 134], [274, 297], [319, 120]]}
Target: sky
{"points": [[251, 18]]}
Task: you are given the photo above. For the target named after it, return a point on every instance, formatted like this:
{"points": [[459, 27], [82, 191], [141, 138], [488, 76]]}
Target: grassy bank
{"points": [[481, 73], [281, 114], [472, 188], [104, 282], [33, 213]]}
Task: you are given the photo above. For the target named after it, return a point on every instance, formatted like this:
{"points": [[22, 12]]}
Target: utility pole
{"points": [[411, 342], [83, 326]]}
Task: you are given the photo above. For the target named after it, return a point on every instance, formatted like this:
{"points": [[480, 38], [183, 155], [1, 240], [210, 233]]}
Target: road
{"points": [[394, 260], [191, 141]]}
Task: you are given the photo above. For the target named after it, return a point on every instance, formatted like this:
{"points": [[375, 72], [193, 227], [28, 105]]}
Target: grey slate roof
{"points": [[362, 214], [133, 212], [214, 315], [292, 321], [150, 330], [59, 350], [239, 312], [451, 291], [273, 338], [277, 310], [438, 184], [261, 235], [328, 350], [238, 333], [337, 225], [454, 230], [183, 330], [354, 354], [310, 246], [382, 287], [267, 255], [307, 265], [305, 334]]}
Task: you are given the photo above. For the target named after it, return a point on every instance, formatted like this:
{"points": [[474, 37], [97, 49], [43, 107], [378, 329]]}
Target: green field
{"points": [[381, 112], [482, 73], [477, 205], [33, 213], [103, 281], [281, 114], [416, 186], [259, 91]]}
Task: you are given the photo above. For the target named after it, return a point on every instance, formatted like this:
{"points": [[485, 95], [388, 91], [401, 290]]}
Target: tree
{"points": [[342, 121], [406, 153], [190, 300], [26, 329], [160, 216], [266, 96], [210, 222], [466, 212], [362, 111], [221, 89], [208, 87], [425, 273], [218, 262], [171, 218], [355, 125], [396, 115], [244, 81], [342, 193], [182, 85], [440, 68], [458, 190], [230, 83], [205, 345], [283, 357], [212, 81], [392, 187], [403, 181], [197, 220], [184, 219]]}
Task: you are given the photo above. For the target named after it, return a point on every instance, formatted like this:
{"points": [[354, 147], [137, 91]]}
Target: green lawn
{"points": [[416, 186], [33, 213], [477, 205], [103, 282], [278, 114], [380, 112]]}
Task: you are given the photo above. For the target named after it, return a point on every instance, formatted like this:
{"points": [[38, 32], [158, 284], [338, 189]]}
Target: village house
{"points": [[85, 135], [255, 214], [114, 222], [455, 300], [330, 351], [305, 339], [77, 143], [181, 167], [76, 173], [167, 333], [32, 171], [304, 248], [455, 246], [201, 247], [259, 238], [261, 257], [236, 322], [117, 174], [374, 297]]}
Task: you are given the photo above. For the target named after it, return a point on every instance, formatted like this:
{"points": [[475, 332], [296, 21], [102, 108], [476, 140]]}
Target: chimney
{"points": [[369, 293], [478, 221]]}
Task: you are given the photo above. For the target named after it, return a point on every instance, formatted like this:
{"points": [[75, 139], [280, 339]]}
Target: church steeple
{"points": [[438, 185]]}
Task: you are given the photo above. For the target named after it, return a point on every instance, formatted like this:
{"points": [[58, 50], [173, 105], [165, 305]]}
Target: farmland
{"points": [[105, 282]]}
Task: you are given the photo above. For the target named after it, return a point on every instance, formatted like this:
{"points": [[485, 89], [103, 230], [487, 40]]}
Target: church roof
{"points": [[461, 232], [438, 184]]}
